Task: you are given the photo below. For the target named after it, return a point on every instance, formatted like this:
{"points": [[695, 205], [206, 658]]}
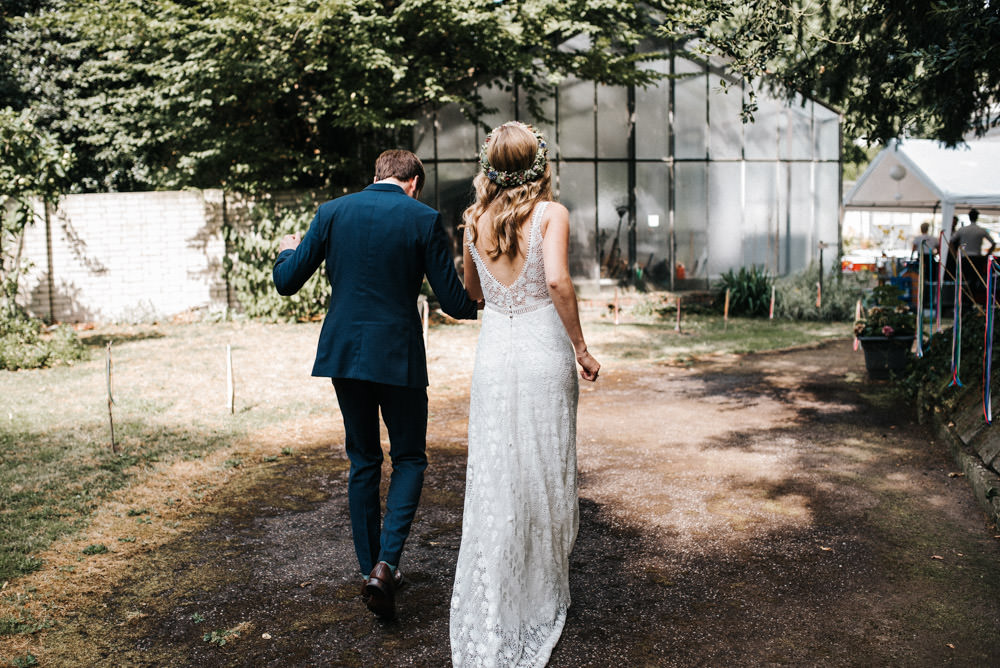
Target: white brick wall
{"points": [[128, 256]]}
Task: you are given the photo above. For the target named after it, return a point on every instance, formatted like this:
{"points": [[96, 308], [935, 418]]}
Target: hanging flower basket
{"points": [[886, 355]]}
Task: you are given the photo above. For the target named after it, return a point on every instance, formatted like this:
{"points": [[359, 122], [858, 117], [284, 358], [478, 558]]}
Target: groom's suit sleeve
{"points": [[294, 267], [443, 278]]}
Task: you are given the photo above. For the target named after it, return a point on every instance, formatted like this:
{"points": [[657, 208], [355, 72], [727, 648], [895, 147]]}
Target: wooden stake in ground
{"points": [[725, 311], [108, 378], [770, 313], [819, 295], [230, 386], [677, 327], [616, 305]]}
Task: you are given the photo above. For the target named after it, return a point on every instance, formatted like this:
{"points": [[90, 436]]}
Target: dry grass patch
{"points": [[173, 499]]}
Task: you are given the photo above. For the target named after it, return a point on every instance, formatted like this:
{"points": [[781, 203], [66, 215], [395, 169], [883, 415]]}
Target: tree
{"points": [[254, 94], [896, 68], [33, 166]]}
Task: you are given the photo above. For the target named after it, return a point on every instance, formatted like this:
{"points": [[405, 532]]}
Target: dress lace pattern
{"points": [[520, 520]]}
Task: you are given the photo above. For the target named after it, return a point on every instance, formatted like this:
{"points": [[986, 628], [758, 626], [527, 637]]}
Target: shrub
{"points": [[254, 247], [927, 379], [749, 291], [24, 346], [795, 295], [886, 315]]}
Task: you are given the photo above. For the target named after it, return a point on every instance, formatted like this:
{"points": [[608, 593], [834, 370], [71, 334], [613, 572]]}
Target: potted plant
{"points": [[886, 332]]}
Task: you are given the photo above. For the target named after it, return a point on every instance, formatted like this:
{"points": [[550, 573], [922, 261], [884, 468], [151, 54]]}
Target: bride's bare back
{"points": [[504, 269]]}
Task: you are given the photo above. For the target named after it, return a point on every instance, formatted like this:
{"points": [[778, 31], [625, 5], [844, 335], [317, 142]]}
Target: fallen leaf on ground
{"points": [[937, 556], [951, 645], [826, 549], [956, 475], [305, 584]]}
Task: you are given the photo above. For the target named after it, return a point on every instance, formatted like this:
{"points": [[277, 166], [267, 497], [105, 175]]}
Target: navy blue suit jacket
{"points": [[378, 245]]}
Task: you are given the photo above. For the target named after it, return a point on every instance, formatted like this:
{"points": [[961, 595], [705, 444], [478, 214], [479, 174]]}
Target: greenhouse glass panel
{"points": [[827, 210], [762, 134], [548, 130], [803, 240], [612, 234], [423, 137], [577, 193], [690, 114], [690, 217], [827, 133], [429, 194], [726, 126], [652, 206], [797, 140], [454, 194], [456, 135], [500, 98], [725, 217], [576, 118], [612, 121], [763, 217], [652, 113]]}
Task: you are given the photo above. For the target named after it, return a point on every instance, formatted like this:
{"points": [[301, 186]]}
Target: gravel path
{"points": [[772, 509]]}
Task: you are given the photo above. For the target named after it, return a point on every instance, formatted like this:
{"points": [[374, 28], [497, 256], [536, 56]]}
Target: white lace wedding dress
{"points": [[521, 516]]}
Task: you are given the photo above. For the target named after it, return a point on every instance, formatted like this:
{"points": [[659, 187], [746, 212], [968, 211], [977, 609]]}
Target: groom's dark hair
{"points": [[399, 164]]}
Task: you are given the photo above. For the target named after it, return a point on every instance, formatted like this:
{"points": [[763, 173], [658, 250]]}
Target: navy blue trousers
{"points": [[404, 411]]}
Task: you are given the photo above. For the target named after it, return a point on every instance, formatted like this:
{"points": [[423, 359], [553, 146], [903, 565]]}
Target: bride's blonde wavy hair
{"points": [[513, 147]]}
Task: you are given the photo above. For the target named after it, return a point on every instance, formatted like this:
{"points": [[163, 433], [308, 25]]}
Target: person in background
{"points": [[924, 240], [970, 239]]}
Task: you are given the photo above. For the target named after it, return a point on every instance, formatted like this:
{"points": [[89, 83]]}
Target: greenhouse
{"points": [[690, 194]]}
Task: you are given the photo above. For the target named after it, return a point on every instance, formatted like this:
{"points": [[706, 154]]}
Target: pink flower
{"points": [[888, 331]]}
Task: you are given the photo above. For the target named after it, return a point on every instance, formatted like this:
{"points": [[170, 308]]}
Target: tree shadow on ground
{"points": [[827, 561]]}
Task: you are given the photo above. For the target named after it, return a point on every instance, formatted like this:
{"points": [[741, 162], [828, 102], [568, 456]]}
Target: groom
{"points": [[378, 244]]}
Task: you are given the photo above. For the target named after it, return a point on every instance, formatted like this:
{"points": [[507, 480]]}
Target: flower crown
{"points": [[520, 177]]}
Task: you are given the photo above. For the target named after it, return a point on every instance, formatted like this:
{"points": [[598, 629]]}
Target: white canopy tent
{"points": [[920, 175]]}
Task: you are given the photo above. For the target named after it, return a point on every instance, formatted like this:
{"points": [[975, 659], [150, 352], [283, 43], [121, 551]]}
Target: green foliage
{"points": [[927, 379], [886, 314], [10, 626], [220, 638], [253, 94], [795, 296], [749, 291], [33, 165], [886, 321], [254, 247], [24, 346], [96, 548], [884, 62]]}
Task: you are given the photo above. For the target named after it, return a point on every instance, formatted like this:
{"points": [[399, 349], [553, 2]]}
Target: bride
{"points": [[511, 589]]}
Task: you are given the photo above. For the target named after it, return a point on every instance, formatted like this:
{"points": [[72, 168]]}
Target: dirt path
{"points": [[761, 510]]}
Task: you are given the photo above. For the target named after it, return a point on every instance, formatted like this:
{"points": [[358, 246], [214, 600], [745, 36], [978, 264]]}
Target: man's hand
{"points": [[289, 242]]}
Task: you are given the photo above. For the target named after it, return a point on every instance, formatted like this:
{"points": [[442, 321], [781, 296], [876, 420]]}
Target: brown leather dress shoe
{"points": [[381, 589]]}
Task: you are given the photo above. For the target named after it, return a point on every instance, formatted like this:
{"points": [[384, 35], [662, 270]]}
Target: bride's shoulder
{"points": [[553, 208], [554, 213]]}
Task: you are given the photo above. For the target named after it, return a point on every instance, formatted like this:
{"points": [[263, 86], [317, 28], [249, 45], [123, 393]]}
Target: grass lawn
{"points": [[171, 418]]}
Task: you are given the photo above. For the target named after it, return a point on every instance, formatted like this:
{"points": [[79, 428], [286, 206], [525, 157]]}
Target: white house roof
{"points": [[931, 176]]}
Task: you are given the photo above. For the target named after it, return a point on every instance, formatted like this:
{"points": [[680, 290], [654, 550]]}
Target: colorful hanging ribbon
{"points": [[920, 300], [991, 277], [930, 275], [956, 328], [940, 281]]}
